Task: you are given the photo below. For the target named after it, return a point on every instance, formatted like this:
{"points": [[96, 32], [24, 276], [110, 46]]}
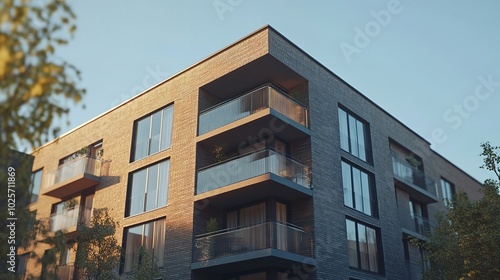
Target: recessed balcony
{"points": [[412, 180], [257, 246], [413, 223], [252, 176], [72, 177], [265, 107]]}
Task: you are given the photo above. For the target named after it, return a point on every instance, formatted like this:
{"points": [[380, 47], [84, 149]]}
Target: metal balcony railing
{"points": [[284, 237], [70, 217], [406, 172], [82, 165], [249, 166], [250, 103]]}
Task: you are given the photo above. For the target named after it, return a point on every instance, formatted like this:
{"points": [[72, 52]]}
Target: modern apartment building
{"points": [[255, 163]]}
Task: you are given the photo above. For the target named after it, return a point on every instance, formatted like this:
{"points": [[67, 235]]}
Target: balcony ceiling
{"points": [[256, 73], [267, 185]]}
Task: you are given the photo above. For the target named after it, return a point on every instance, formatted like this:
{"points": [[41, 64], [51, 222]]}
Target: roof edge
{"points": [[267, 26]]}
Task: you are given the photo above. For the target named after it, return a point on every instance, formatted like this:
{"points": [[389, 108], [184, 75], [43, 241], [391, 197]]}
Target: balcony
{"points": [[68, 220], [413, 223], [251, 176], [413, 180], [72, 177], [253, 247], [265, 107]]}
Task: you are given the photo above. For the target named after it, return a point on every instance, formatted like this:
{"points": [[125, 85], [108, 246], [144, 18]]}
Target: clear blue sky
{"points": [[433, 65]]}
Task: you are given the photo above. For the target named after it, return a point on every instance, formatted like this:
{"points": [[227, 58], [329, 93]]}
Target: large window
{"points": [[150, 236], [36, 182], [357, 189], [353, 135], [153, 133], [448, 190], [148, 188], [363, 246]]}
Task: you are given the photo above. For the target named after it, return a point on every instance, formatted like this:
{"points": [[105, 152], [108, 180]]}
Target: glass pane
{"points": [[353, 135], [358, 197], [152, 187], [137, 192], [142, 138], [253, 215], [344, 134], [134, 242], [159, 243], [365, 189], [166, 133], [163, 184], [363, 247], [371, 238], [361, 140], [232, 219], [351, 243], [347, 183], [36, 181], [147, 241], [154, 145]]}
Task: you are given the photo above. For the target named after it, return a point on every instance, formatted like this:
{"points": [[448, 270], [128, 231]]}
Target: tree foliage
{"points": [[146, 268], [98, 253], [35, 84], [466, 242]]}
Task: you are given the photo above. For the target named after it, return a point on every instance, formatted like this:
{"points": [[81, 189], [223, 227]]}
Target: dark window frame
{"points": [[130, 185], [371, 188], [366, 135], [133, 152]]}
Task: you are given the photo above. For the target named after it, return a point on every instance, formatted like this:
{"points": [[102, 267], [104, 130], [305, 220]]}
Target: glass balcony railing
{"points": [[250, 103], [82, 165], [70, 218], [284, 237], [414, 222], [251, 165], [406, 172]]}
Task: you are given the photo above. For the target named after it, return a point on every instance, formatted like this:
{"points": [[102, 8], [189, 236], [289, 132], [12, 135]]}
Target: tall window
{"points": [[22, 262], [363, 247], [150, 236], [448, 190], [153, 133], [353, 135], [357, 189], [148, 188], [36, 182]]}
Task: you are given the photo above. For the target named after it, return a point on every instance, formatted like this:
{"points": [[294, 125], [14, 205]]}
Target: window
{"points": [[22, 262], [353, 135], [36, 182], [153, 133], [362, 245], [357, 189], [150, 236], [148, 188], [448, 190]]}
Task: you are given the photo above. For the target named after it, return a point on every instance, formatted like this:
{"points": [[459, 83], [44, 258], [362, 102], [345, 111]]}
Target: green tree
{"points": [[35, 84], [466, 242], [146, 268], [98, 253]]}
